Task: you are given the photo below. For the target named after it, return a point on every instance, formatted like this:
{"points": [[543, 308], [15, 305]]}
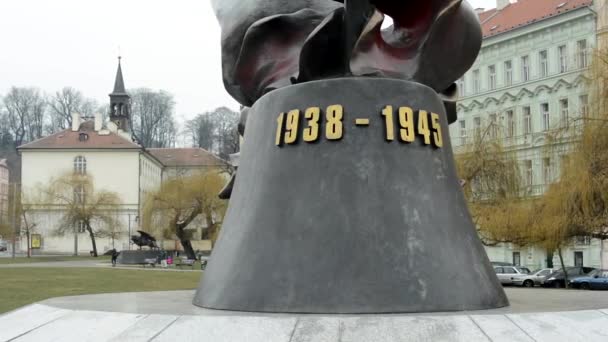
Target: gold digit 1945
{"points": [[311, 133], [423, 126], [406, 121], [334, 130], [389, 122], [437, 136]]}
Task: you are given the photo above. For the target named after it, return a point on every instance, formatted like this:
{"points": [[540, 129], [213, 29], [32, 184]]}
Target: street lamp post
{"points": [[129, 237]]}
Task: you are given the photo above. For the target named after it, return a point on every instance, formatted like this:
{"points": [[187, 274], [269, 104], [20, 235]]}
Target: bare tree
{"points": [[24, 114], [152, 115], [216, 131], [66, 102]]}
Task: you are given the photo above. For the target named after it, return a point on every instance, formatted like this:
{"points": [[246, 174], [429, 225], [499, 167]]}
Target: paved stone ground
{"points": [[536, 315]]}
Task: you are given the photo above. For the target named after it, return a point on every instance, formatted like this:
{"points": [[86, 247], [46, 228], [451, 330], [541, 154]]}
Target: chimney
{"points": [[500, 4], [98, 122], [75, 122]]}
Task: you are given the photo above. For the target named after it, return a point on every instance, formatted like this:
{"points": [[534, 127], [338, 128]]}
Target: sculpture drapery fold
{"points": [[270, 44]]}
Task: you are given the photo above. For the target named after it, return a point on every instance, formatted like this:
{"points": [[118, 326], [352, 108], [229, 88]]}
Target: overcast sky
{"points": [[173, 45]]}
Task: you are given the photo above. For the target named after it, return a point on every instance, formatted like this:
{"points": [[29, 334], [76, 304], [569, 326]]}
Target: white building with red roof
{"points": [[529, 81], [113, 159]]}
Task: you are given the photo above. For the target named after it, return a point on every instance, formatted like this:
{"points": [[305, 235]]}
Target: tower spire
{"points": [[120, 101], [119, 83]]}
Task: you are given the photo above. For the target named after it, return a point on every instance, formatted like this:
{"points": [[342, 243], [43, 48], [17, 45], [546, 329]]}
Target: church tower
{"points": [[120, 102]]}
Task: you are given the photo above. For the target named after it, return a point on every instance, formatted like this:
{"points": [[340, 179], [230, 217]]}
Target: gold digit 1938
{"points": [[311, 133], [437, 137], [423, 126], [334, 129], [280, 125], [291, 127]]}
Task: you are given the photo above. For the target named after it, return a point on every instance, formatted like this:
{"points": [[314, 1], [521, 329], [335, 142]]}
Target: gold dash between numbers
{"points": [[362, 122]]}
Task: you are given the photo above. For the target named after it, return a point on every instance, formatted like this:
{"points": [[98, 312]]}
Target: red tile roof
{"points": [[72, 140], [525, 12], [171, 157]]}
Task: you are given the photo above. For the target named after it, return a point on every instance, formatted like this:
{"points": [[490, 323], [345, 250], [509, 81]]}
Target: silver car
{"points": [[535, 278], [511, 275]]}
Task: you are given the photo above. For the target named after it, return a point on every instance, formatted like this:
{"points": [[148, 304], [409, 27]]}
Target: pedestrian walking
{"points": [[114, 257]]}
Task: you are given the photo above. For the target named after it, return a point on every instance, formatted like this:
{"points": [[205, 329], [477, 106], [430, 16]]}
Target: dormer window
{"points": [[83, 137], [80, 165]]}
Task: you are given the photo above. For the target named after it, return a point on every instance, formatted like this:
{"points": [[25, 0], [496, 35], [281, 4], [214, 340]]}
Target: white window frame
{"points": [[527, 115], [583, 103], [508, 72], [564, 111], [546, 116], [581, 54], [543, 61], [80, 165], [492, 77], [476, 81], [462, 125], [562, 53], [525, 68]]}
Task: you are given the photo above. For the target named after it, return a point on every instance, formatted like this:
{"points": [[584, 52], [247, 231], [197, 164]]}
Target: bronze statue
{"points": [[269, 44]]}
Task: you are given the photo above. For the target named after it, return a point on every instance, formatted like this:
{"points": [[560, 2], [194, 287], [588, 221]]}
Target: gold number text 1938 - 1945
{"points": [[409, 126]]}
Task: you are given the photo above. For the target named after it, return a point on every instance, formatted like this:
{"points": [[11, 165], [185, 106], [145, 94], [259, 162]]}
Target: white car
{"points": [[511, 275], [535, 278]]}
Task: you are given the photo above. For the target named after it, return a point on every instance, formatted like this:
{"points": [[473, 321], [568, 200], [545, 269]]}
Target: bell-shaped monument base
{"points": [[363, 224]]}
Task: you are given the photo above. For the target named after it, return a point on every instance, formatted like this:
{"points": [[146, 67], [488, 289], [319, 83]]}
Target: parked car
{"points": [[596, 280], [511, 275], [500, 263], [535, 278], [557, 278]]}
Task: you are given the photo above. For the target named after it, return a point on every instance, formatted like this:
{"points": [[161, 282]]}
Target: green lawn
{"points": [[24, 260], [22, 286]]}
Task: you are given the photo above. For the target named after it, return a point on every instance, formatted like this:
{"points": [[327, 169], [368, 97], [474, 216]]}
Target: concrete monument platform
{"points": [[535, 315]]}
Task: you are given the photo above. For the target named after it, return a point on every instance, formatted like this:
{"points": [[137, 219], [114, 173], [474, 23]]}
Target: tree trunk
{"points": [[561, 260], [186, 244], [93, 243]]}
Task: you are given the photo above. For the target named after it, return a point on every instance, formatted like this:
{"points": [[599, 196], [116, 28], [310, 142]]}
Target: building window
{"points": [[80, 165], [463, 132], [525, 68], [492, 77], [581, 53], [562, 54], [547, 171], [527, 120], [510, 129], [583, 102], [476, 81], [529, 172], [493, 126], [544, 64], [477, 123], [517, 258], [81, 227], [461, 90], [578, 259], [564, 112], [79, 194], [583, 240], [544, 109], [508, 73]]}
